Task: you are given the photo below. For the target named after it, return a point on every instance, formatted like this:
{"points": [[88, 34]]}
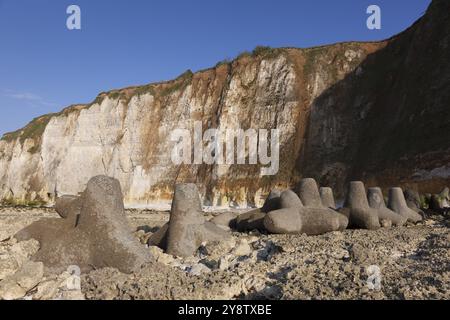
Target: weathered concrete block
{"points": [[360, 214], [397, 203], [101, 236], [376, 201], [252, 220], [284, 221], [188, 228], [273, 201], [310, 197], [326, 194], [289, 199]]}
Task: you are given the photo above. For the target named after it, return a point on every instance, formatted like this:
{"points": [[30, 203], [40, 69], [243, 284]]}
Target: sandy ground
{"points": [[411, 262]]}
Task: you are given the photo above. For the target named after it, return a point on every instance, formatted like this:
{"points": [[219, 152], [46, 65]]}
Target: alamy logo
{"points": [[74, 20], [374, 20], [73, 282], [215, 147], [374, 277]]}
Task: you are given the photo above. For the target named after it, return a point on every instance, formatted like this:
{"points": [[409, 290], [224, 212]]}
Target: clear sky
{"points": [[44, 67]]}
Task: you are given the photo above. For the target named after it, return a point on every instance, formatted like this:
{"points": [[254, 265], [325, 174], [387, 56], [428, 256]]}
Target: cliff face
{"points": [[372, 111]]}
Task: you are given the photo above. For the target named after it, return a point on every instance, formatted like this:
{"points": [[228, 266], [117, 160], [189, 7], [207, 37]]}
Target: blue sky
{"points": [[44, 67]]}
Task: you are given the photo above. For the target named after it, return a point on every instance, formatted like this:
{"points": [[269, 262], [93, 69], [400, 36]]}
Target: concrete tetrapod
{"points": [[294, 218], [188, 228], [376, 201], [326, 194], [360, 214], [310, 196], [94, 235], [254, 219], [397, 203]]}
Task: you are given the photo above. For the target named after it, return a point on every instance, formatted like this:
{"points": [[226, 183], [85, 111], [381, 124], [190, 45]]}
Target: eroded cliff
{"points": [[372, 111]]}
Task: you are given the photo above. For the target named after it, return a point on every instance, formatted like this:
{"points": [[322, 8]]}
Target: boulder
{"points": [[97, 236], [360, 213], [397, 203], [376, 201], [187, 226]]}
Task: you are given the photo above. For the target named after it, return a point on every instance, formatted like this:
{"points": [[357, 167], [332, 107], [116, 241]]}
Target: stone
{"points": [[376, 201], [160, 256], [273, 201], [47, 290], [360, 214], [187, 226], [10, 290], [326, 194], [24, 250], [8, 266], [242, 248], [199, 269], [29, 275], [249, 221], [101, 236], [397, 203], [26, 278], [226, 220]]}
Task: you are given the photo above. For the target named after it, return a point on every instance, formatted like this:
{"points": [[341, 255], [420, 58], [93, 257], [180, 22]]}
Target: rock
{"points": [[397, 203], [29, 275], [47, 290], [24, 250], [187, 226], [386, 223], [252, 220], [360, 215], [273, 201], [10, 290], [326, 194], [289, 199], [26, 278], [100, 238], [199, 269], [376, 201], [8, 266], [441, 201], [226, 220], [160, 256], [242, 248]]}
